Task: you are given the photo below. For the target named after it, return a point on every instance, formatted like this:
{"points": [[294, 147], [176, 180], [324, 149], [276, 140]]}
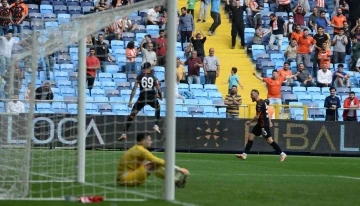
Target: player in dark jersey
{"points": [[262, 128], [149, 92]]}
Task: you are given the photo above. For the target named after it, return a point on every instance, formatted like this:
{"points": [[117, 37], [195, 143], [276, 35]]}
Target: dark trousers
{"points": [[285, 8], [237, 29], [331, 118], [161, 60], [308, 84], [339, 57], [322, 85], [217, 21], [210, 77], [185, 35], [191, 11], [90, 81], [350, 119], [315, 63]]}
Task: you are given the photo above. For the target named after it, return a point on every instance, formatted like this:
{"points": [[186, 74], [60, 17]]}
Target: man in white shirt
{"points": [[324, 77], [148, 54], [153, 16], [6, 45], [15, 106]]}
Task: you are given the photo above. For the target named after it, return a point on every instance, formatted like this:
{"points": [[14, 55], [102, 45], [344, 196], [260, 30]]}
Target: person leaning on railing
{"points": [[350, 105], [332, 103], [233, 101]]}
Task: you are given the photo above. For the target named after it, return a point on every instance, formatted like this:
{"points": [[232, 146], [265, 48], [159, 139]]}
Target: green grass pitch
{"points": [[219, 179]]}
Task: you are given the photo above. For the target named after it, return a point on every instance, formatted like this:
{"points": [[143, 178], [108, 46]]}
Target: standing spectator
{"points": [[211, 67], [339, 42], [277, 30], [322, 21], [148, 54], [198, 44], [286, 72], [284, 5], [304, 4], [291, 27], [161, 48], [344, 6], [312, 19], [131, 53], [340, 78], [44, 92], [338, 21], [291, 51], [304, 77], [324, 77], [101, 6], [215, 15], [233, 80], [102, 52], [191, 7], [17, 17], [332, 103], [186, 26], [237, 26], [180, 72], [6, 45], [92, 65], [148, 40], [299, 15], [273, 85], [204, 5], [15, 106], [153, 16], [356, 30], [194, 63], [254, 13], [324, 56], [305, 46], [320, 38], [5, 16], [297, 33], [347, 33], [17, 79], [355, 54], [233, 101], [351, 103], [320, 4]]}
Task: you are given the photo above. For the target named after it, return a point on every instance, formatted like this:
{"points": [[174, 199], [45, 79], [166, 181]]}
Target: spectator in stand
{"points": [[6, 45], [131, 53], [204, 5], [257, 40], [44, 92], [304, 4], [273, 85], [344, 6], [233, 80], [5, 16], [320, 4], [101, 6], [153, 16], [161, 48], [114, 29], [186, 26], [198, 44], [180, 71], [215, 15], [355, 54], [188, 50], [119, 3], [339, 42], [17, 79], [332, 103], [284, 6], [347, 33], [254, 15], [89, 41], [233, 101], [24, 6], [18, 15], [102, 52], [320, 39], [291, 27], [92, 65], [291, 51], [277, 30], [322, 21], [237, 26], [211, 67], [148, 54], [194, 63], [297, 33], [148, 40], [324, 56], [340, 78], [299, 15], [356, 30], [126, 25], [304, 76], [312, 19], [286, 72], [324, 76], [191, 7], [351, 103], [338, 21], [305, 46], [15, 106]]}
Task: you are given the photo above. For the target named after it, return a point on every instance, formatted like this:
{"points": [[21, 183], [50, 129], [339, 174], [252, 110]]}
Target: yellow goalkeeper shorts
{"points": [[132, 178]]}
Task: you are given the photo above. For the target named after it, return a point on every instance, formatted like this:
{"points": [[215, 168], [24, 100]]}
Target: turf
{"points": [[218, 179]]}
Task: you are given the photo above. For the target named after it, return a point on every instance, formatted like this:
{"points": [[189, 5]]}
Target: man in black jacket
{"points": [[237, 27], [198, 44], [44, 92]]}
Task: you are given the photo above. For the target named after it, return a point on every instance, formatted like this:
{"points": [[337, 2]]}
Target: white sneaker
{"points": [[156, 129], [282, 157], [241, 156], [122, 137]]}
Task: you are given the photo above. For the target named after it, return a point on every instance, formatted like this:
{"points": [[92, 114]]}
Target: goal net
{"points": [[38, 148]]}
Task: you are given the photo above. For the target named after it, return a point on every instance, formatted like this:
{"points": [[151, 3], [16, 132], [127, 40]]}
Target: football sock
{"points": [[90, 92], [276, 147], [157, 116], [160, 172], [128, 123], [248, 146]]}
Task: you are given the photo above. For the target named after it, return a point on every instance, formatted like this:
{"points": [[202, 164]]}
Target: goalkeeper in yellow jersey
{"points": [[138, 163]]}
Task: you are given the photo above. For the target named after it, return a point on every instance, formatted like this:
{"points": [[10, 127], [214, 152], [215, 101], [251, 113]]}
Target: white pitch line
{"points": [[348, 177]]}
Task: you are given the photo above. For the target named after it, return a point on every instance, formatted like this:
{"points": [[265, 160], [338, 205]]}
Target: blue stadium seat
{"points": [[121, 61], [195, 110], [179, 110], [117, 44], [299, 90], [101, 100], [180, 54], [125, 93], [286, 98], [201, 95], [152, 29], [286, 90], [210, 111], [304, 98], [117, 100], [120, 109], [58, 107], [149, 111], [159, 69], [108, 85], [356, 90], [112, 93], [119, 52], [179, 101], [51, 24], [90, 107], [64, 83], [313, 90], [222, 112], [56, 91], [112, 69], [46, 9], [104, 108], [67, 67], [196, 88], [277, 57], [257, 49], [128, 36], [63, 18], [325, 91], [67, 92], [97, 93], [74, 10], [210, 88], [139, 37], [183, 88], [178, 46], [215, 96], [60, 9], [191, 102], [97, 85], [249, 32], [89, 99], [72, 108], [105, 77], [120, 77], [43, 107]]}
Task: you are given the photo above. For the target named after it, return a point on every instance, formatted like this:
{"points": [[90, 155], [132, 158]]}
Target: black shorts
{"points": [[261, 131], [141, 102]]}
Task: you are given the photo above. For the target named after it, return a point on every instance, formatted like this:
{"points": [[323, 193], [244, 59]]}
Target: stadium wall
{"points": [[193, 134]]}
